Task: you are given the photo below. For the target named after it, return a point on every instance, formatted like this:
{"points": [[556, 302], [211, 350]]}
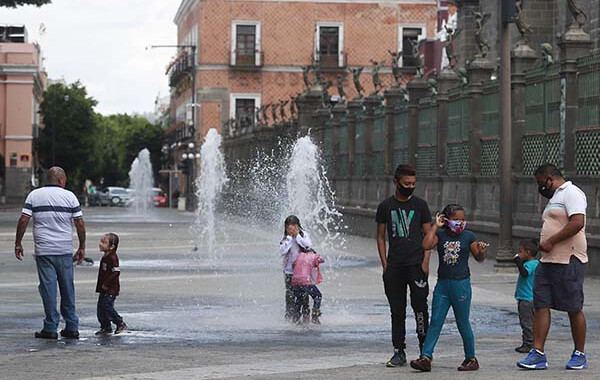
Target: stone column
{"points": [[393, 97], [371, 102], [447, 80], [321, 117], [465, 42], [308, 103], [574, 44], [523, 58], [338, 111], [354, 107], [417, 89], [479, 70]]}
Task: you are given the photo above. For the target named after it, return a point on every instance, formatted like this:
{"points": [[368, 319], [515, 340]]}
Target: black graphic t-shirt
{"points": [[453, 251], [404, 222]]}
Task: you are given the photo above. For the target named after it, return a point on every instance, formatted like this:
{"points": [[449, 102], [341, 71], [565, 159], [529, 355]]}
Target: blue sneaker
{"points": [[535, 360], [578, 361]]}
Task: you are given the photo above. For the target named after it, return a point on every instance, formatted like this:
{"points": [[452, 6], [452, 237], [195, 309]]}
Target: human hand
{"points": [[440, 219], [79, 255], [521, 255], [482, 247], [546, 246], [104, 287], [425, 268], [19, 252]]}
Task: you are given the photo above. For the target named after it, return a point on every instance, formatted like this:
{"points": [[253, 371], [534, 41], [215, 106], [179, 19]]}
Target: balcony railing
{"points": [[180, 68], [331, 61], [246, 60]]}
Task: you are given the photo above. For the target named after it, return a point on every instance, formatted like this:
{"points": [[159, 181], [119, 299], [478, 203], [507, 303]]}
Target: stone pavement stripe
{"points": [[136, 279], [266, 367]]}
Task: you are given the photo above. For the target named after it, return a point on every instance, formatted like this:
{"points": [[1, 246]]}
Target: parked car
{"points": [[113, 196], [159, 198]]}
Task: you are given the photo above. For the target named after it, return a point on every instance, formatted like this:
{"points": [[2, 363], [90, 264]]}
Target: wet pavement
{"points": [[195, 314]]}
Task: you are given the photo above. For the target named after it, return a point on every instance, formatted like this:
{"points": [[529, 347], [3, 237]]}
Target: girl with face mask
{"points": [[454, 244]]}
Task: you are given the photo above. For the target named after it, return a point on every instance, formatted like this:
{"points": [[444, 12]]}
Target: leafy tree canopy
{"points": [[16, 3], [70, 136], [91, 146], [125, 136]]}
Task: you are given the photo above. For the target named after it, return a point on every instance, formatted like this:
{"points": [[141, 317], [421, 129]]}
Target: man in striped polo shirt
{"points": [[54, 211]]}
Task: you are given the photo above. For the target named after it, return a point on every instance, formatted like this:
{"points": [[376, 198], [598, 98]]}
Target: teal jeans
{"points": [[455, 293]]}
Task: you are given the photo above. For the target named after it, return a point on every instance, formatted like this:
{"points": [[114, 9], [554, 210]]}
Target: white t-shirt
{"points": [[289, 247], [53, 210], [568, 200]]}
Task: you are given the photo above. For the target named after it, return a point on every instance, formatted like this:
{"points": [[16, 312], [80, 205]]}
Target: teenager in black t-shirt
{"points": [[406, 218]]}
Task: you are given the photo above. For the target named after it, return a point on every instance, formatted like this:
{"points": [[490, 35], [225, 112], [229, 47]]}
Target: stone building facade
{"points": [[237, 56], [280, 37], [449, 127], [22, 84]]}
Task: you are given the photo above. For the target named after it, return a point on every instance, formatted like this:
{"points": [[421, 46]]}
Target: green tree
{"points": [[91, 146], [70, 138], [123, 138], [17, 3]]}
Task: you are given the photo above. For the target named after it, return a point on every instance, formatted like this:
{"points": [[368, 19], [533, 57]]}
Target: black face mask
{"points": [[405, 191], [545, 190]]}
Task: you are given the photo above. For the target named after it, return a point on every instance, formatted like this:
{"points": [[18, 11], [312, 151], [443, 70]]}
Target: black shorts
{"points": [[559, 286]]}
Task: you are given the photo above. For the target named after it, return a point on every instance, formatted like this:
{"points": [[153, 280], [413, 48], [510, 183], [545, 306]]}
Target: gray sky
{"points": [[103, 44]]}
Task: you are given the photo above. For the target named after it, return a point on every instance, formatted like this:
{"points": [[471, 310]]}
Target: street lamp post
{"points": [[505, 248], [189, 157]]}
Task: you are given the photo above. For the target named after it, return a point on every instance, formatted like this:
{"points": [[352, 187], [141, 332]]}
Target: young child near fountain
{"points": [[454, 243], [294, 239], [527, 264], [304, 281], [108, 286]]}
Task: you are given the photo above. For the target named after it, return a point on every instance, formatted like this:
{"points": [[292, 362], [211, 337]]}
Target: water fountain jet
{"points": [[141, 181], [209, 187]]}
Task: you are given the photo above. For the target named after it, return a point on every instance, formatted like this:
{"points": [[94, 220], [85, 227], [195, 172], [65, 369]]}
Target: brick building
{"points": [[22, 84], [251, 53]]}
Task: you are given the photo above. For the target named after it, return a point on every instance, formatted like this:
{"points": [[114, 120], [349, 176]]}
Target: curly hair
{"points": [[451, 209]]}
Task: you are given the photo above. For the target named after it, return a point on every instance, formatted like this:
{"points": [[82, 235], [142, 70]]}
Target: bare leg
{"points": [[541, 326], [578, 329]]}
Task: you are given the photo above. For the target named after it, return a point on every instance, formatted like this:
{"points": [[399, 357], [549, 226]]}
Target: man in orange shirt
{"points": [[559, 277]]}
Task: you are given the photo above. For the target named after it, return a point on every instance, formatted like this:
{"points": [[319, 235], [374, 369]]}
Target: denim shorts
{"points": [[559, 286]]}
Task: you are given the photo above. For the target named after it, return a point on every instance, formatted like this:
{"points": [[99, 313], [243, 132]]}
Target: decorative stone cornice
{"points": [[18, 69], [186, 5]]}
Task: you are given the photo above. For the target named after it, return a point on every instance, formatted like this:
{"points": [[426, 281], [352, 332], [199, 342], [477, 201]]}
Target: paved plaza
{"points": [[195, 314]]}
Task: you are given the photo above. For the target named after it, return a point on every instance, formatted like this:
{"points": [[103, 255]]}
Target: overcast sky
{"points": [[103, 43]]}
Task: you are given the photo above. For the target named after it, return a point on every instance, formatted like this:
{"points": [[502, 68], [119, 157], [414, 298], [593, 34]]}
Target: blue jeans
{"points": [[106, 311], [311, 290], [52, 269], [455, 293]]}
